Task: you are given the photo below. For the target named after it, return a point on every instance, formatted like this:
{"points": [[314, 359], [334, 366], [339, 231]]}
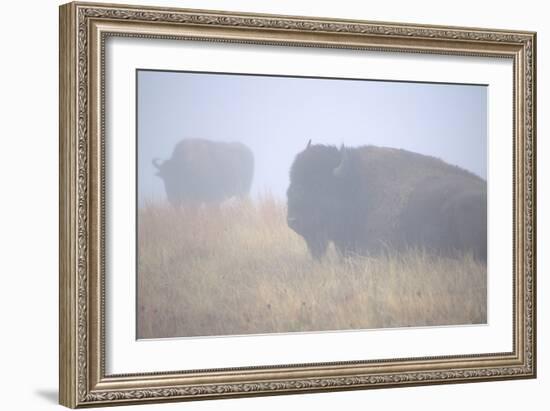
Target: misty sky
{"points": [[276, 116]]}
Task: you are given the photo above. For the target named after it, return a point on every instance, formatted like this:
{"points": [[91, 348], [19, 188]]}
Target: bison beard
{"points": [[204, 171], [368, 199]]}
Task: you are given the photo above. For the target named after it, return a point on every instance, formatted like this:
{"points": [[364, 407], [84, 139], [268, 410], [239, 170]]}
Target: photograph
{"points": [[286, 204]]}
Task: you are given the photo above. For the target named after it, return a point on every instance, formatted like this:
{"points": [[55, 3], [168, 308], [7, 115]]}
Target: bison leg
{"points": [[317, 247]]}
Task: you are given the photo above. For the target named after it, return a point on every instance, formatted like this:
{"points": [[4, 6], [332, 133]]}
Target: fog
{"points": [[276, 116]]}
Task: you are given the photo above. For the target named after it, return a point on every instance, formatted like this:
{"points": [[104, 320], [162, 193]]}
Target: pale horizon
{"points": [[276, 116]]}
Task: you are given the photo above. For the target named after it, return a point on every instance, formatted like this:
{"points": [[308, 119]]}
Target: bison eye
{"points": [[292, 222]]}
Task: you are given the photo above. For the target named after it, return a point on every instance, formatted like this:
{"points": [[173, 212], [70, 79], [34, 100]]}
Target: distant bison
{"points": [[369, 198], [204, 171]]}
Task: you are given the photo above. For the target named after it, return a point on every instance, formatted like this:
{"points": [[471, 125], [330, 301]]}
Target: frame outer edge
{"points": [[77, 385], [534, 193], [68, 352]]}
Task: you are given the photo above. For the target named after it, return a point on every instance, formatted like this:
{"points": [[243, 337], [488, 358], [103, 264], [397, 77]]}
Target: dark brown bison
{"points": [[204, 171], [369, 198]]}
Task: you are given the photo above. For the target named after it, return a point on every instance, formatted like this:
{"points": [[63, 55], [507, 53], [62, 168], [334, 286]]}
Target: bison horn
{"points": [[156, 163], [341, 168], [308, 144]]}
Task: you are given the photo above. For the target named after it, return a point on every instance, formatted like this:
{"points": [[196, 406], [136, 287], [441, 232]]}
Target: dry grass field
{"points": [[238, 269]]}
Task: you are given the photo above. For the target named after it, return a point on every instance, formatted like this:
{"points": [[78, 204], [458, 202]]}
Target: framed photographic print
{"points": [[260, 204]]}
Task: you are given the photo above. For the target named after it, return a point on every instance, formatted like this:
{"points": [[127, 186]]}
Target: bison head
{"points": [[170, 173], [158, 165], [318, 195]]}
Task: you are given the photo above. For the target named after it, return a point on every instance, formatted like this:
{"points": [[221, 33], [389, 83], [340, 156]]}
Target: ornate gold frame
{"points": [[83, 30]]}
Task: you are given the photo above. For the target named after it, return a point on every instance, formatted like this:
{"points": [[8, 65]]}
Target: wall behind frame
{"points": [[29, 193]]}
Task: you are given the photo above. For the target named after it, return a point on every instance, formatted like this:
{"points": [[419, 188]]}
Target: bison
{"points": [[204, 171], [368, 199]]}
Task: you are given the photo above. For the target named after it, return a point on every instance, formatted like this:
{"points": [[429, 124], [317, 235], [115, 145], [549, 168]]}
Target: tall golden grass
{"points": [[238, 269]]}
